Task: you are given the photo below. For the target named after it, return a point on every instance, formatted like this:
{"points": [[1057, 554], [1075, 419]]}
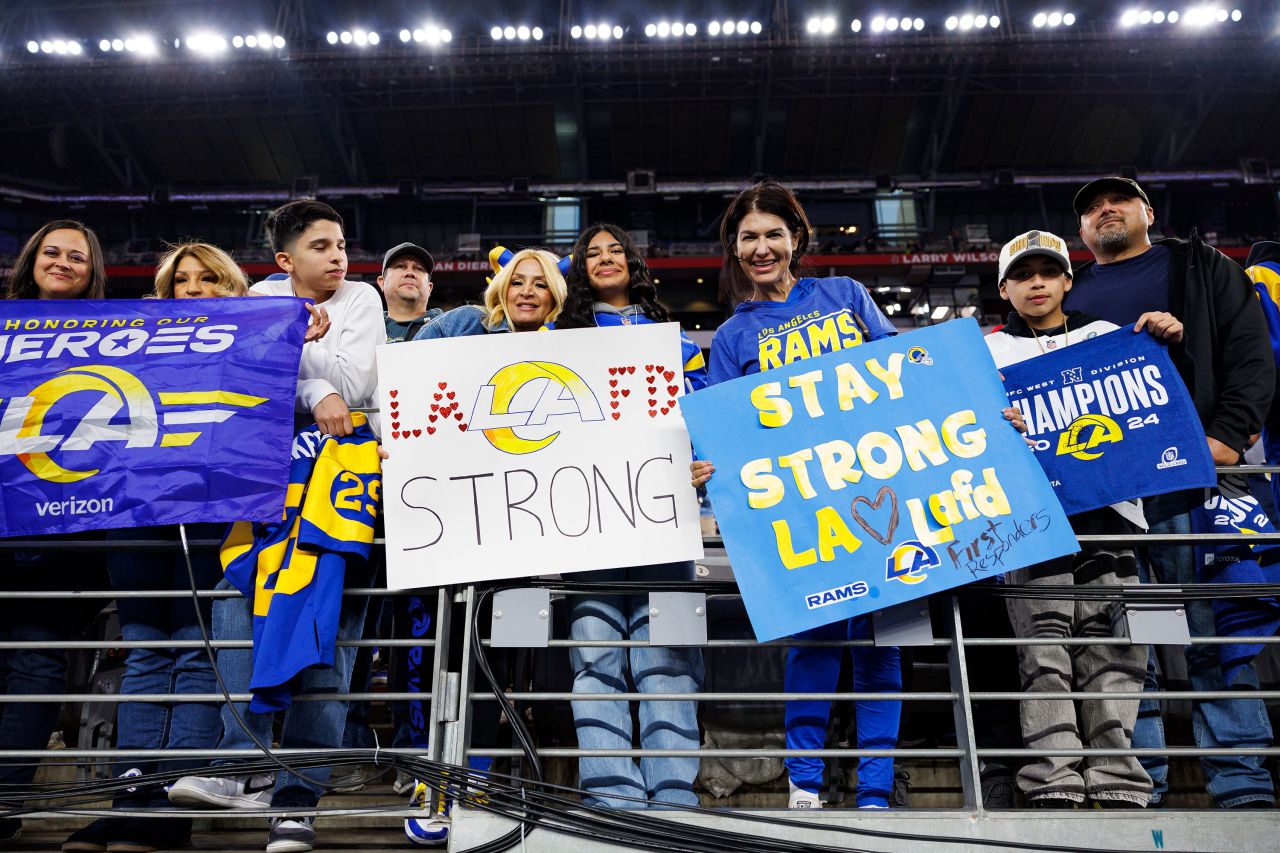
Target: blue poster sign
{"points": [[126, 413], [871, 476], [1111, 420]]}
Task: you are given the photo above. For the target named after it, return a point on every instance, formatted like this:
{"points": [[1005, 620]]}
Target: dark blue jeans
{"points": [[1233, 723], [176, 724], [50, 622]]}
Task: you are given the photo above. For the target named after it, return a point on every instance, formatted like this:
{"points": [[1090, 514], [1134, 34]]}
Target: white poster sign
{"points": [[533, 453]]}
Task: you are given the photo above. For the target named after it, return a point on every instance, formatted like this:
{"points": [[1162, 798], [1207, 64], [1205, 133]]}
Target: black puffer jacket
{"points": [[1225, 356]]}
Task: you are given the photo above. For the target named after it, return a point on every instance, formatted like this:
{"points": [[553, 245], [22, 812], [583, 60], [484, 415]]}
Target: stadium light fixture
{"points": [[743, 28], [203, 43], [856, 25]]}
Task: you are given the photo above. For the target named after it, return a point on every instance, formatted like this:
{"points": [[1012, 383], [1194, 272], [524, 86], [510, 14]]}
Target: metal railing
{"points": [[455, 695]]}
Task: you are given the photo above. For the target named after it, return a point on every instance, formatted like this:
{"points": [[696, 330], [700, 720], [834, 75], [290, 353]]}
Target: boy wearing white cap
{"points": [[1035, 275]]}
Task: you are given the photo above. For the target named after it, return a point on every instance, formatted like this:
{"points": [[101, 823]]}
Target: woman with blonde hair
{"points": [[195, 270], [527, 293]]}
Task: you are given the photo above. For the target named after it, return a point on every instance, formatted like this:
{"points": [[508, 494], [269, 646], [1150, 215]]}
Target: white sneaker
{"points": [[431, 830], [223, 792], [802, 799], [291, 835]]}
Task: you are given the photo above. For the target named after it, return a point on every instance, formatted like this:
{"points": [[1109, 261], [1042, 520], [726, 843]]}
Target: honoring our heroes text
{"points": [[879, 455]]}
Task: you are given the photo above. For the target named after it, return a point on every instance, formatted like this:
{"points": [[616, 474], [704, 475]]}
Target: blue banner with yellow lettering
{"points": [[871, 476], [1111, 420], [127, 413]]}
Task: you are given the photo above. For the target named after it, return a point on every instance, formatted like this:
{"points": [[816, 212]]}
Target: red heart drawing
{"points": [[631, 369], [393, 392], [395, 425], [395, 434], [432, 418], [653, 413], [462, 427], [613, 393], [665, 410], [394, 406], [441, 385], [652, 403], [431, 430], [653, 390], [437, 396], [667, 374], [616, 415], [671, 403], [458, 416], [613, 371], [626, 392], [435, 407], [450, 395], [659, 368], [649, 367], [417, 432], [613, 383], [649, 379], [673, 389], [613, 404]]}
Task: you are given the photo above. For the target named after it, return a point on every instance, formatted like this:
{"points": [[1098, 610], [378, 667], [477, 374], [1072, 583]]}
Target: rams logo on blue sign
{"points": [[910, 562], [919, 355]]}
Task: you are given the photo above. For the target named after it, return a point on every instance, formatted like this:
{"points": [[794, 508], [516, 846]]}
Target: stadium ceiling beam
{"points": [[343, 137], [1182, 135], [106, 141], [944, 122]]}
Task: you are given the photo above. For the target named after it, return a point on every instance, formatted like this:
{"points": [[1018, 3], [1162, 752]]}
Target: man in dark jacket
{"points": [[1226, 362]]}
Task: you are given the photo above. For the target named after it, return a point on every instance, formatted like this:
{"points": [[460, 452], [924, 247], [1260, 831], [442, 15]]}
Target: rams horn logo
{"points": [[910, 562], [526, 394], [1087, 432], [23, 421], [919, 355]]}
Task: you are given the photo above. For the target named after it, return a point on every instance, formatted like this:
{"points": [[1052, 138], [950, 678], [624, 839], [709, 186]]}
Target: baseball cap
{"points": [[1033, 243], [408, 249], [1125, 185]]}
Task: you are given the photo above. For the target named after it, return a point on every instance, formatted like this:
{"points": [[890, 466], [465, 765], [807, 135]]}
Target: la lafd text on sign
{"points": [[879, 455]]}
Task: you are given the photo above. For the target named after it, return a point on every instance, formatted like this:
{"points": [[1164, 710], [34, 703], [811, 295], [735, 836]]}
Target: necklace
{"points": [[1052, 344]]}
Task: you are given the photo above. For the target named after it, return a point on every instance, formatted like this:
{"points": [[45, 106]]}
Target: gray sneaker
{"points": [[223, 792], [291, 835]]}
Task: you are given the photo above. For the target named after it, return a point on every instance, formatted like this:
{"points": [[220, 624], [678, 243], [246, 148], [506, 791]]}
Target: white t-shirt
{"points": [[342, 362]]}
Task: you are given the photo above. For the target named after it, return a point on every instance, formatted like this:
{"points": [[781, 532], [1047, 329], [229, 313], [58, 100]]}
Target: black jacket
{"points": [[1225, 356]]}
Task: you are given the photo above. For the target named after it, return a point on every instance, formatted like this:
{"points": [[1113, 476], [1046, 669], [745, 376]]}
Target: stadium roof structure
{"points": [[250, 97]]}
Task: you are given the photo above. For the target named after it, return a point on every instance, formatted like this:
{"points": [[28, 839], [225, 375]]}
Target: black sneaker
{"points": [[95, 837], [999, 791], [291, 835], [148, 834], [10, 830], [1054, 803]]}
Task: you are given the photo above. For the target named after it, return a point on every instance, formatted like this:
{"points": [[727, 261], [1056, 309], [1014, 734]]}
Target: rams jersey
{"points": [[820, 315], [293, 569]]}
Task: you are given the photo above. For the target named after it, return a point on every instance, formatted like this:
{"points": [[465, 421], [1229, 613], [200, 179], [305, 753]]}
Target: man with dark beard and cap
{"points": [[1226, 362]]}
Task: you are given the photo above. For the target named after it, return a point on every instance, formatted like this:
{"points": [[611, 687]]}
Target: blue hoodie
{"points": [[820, 315]]}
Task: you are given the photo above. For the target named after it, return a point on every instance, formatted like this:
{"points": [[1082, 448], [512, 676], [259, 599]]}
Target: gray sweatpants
{"points": [[1106, 723]]}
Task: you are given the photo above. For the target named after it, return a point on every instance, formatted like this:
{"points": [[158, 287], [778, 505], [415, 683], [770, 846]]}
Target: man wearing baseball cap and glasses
{"points": [[1225, 360], [406, 283]]}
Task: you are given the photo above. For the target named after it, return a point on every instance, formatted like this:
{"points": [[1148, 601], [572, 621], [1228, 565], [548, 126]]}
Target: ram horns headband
{"points": [[500, 256]]}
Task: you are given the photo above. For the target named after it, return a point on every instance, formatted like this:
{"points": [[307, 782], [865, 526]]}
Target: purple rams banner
{"points": [[1111, 420], [126, 413]]}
